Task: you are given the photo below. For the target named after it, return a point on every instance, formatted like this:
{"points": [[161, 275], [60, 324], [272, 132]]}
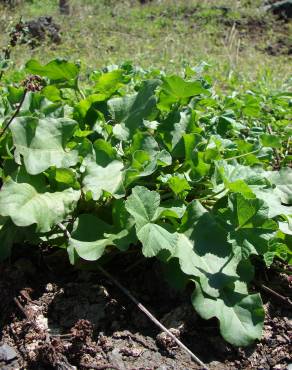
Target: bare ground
{"points": [[54, 317]]}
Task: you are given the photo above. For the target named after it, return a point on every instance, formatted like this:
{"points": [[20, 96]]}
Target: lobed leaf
{"points": [[27, 206]]}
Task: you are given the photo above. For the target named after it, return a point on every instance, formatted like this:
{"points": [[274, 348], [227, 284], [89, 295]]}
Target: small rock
{"points": [[7, 353], [280, 339], [277, 367], [134, 352], [164, 341], [217, 365], [115, 358], [49, 288]]}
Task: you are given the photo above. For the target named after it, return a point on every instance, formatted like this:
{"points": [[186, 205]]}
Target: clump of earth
{"points": [[53, 316], [35, 32]]}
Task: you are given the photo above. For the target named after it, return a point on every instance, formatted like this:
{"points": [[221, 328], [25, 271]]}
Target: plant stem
{"points": [[212, 196], [14, 114], [243, 155], [276, 294]]}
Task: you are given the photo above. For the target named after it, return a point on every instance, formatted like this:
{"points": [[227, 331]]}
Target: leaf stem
{"points": [[65, 231], [212, 196], [243, 155], [80, 92]]}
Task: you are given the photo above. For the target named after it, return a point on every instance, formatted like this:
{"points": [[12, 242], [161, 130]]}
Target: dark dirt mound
{"points": [[283, 9], [35, 32], [283, 46], [55, 317]]}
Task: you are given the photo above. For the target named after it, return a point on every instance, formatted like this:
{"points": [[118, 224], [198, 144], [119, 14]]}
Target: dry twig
{"points": [[152, 318], [276, 294], [143, 308]]}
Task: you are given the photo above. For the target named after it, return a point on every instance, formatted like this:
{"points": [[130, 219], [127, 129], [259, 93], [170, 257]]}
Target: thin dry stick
{"points": [[143, 308], [65, 231], [25, 313], [151, 317], [14, 114], [276, 294]]}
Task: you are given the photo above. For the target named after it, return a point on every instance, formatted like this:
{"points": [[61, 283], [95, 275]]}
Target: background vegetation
{"points": [[238, 38]]}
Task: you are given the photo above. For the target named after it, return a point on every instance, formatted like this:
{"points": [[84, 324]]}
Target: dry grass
{"points": [[165, 34]]}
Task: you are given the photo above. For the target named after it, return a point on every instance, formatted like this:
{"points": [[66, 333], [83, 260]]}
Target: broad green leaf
{"points": [[272, 198], [241, 316], [26, 206], [156, 238], [91, 236], [203, 250], [171, 208], [176, 90], [131, 110], [109, 178], [173, 274], [233, 175], [58, 70], [180, 128], [271, 141], [62, 178], [65, 175], [8, 232], [52, 93], [42, 142], [81, 109], [141, 166], [195, 159], [110, 82], [174, 127], [178, 184], [283, 182], [104, 152], [15, 94], [226, 122], [252, 228], [144, 141], [143, 204], [251, 106], [120, 216], [276, 249]]}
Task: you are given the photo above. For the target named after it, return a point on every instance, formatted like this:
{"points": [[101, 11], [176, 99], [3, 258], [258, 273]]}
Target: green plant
{"points": [[157, 163]]}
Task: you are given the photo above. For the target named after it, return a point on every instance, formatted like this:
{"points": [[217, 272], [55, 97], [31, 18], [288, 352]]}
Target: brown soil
{"points": [[283, 46], [55, 317]]}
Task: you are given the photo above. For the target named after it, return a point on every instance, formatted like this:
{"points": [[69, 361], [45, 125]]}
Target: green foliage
{"points": [[162, 164]]}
